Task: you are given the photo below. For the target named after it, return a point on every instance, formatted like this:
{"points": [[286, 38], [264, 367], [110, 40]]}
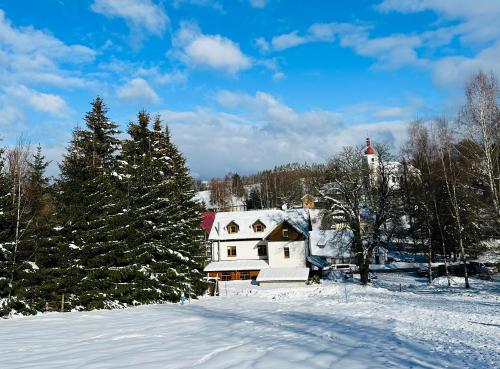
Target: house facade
{"points": [[243, 243]]}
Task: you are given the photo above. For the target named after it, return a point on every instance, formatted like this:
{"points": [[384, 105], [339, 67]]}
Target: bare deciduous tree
{"points": [[18, 167], [480, 120], [362, 197]]}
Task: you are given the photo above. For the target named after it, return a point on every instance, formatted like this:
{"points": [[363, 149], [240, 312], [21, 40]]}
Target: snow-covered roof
{"points": [[328, 243], [283, 274], [229, 265], [298, 218]]}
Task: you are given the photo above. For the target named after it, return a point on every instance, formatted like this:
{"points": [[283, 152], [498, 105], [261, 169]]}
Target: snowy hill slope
{"points": [[274, 327]]}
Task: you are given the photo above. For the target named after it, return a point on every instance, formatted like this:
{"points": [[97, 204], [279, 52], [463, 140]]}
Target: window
{"points": [[285, 232], [231, 251], [287, 252], [258, 226], [226, 276], [232, 228], [244, 275], [262, 250]]}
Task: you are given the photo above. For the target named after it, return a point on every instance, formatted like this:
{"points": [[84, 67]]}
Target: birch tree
{"points": [[17, 167], [451, 180], [480, 120]]}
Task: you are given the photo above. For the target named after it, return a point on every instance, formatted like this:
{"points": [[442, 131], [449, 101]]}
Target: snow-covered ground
{"points": [[334, 325]]}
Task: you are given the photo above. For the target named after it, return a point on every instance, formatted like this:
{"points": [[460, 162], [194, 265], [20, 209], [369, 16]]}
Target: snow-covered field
{"points": [[335, 325]]}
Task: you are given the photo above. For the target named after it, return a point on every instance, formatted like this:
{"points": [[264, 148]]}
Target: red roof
{"points": [[369, 149], [208, 220]]}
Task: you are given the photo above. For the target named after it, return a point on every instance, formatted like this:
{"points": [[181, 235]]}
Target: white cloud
{"points": [[212, 51], [163, 78], [31, 56], [287, 41], [41, 102], [390, 51], [10, 116], [141, 15], [454, 71], [477, 20], [317, 32], [262, 104], [475, 23], [259, 3], [41, 45], [262, 45], [278, 75], [393, 111], [476, 27], [259, 132], [138, 90], [209, 3]]}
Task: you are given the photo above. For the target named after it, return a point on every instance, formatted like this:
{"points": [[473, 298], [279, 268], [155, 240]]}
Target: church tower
{"points": [[370, 156]]}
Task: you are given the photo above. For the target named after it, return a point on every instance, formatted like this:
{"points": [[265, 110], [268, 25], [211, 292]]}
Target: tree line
{"points": [[118, 227], [282, 185]]}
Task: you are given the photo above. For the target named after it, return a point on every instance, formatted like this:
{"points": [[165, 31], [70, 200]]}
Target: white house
{"points": [[245, 242]]}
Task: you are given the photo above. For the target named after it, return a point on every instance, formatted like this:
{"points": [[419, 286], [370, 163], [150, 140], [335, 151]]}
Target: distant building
{"points": [[308, 201]]}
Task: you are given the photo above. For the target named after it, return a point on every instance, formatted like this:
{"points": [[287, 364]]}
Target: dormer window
{"points": [[232, 228], [258, 226]]}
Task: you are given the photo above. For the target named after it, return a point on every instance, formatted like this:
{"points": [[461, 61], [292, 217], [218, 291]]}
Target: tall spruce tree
{"points": [[163, 249], [88, 192], [178, 229]]}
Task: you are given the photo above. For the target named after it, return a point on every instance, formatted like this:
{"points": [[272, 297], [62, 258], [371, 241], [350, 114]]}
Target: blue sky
{"points": [[243, 84]]}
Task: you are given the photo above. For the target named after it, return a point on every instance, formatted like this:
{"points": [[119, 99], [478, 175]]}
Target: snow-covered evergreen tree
{"points": [[177, 215], [164, 243], [89, 196]]}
